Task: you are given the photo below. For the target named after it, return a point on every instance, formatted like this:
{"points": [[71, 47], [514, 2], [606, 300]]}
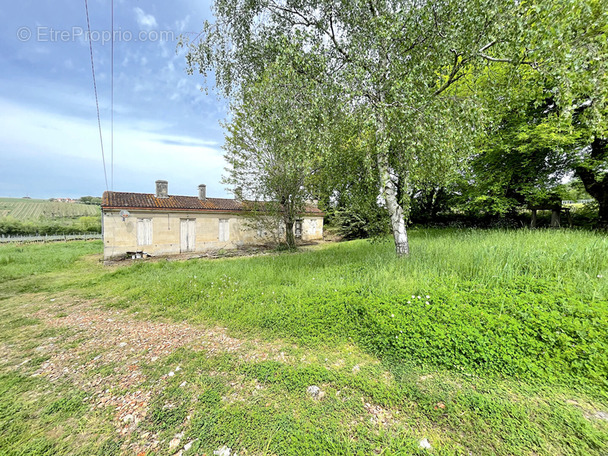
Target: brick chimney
{"points": [[162, 189], [202, 192]]}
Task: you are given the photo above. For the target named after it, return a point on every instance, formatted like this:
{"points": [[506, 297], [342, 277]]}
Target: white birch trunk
{"points": [[389, 187], [389, 192]]}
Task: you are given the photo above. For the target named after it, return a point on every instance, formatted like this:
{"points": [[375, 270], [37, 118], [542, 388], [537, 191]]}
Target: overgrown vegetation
{"points": [[502, 303], [503, 331]]}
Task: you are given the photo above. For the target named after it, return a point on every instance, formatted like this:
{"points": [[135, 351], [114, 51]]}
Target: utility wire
{"points": [[103, 156], [112, 104]]}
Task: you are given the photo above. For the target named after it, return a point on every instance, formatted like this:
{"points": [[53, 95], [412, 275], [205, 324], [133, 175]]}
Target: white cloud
{"points": [[184, 160], [182, 24], [144, 20]]}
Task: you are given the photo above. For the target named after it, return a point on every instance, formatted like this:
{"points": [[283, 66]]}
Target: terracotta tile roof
{"points": [[148, 201]]}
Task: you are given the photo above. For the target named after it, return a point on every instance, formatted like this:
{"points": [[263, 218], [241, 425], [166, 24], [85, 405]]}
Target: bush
{"points": [[10, 226], [354, 224]]}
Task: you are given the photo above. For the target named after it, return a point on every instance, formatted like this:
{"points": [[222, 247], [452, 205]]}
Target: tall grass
{"points": [[17, 261], [524, 303], [511, 304]]}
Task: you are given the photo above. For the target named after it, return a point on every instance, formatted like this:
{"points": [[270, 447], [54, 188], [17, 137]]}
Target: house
{"points": [[163, 224]]}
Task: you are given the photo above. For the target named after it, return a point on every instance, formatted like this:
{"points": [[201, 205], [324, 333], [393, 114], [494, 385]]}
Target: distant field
{"points": [[36, 209]]}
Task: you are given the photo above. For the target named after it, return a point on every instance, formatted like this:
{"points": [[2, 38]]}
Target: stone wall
{"points": [[120, 236]]}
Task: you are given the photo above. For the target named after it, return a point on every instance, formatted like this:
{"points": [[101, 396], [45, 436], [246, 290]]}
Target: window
{"points": [[224, 230], [312, 227], [144, 231]]}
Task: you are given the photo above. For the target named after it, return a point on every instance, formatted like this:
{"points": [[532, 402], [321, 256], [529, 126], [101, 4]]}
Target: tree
{"points": [[268, 146], [393, 61], [521, 161], [574, 59], [93, 200], [553, 119]]}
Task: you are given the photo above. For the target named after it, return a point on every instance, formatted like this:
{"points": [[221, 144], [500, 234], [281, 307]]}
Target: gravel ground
{"points": [[105, 350]]}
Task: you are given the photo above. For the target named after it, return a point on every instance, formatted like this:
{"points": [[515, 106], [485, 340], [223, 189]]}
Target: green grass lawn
{"points": [[483, 342]]}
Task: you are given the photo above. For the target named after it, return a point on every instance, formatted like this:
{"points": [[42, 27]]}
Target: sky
{"points": [[165, 126]]}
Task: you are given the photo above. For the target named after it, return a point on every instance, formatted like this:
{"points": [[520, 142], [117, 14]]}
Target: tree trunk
{"points": [[289, 237], [568, 216], [389, 192], [596, 184], [555, 218], [603, 212], [533, 221]]}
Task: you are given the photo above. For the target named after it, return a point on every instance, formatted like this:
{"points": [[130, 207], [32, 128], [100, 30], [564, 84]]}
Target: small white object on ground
{"points": [[224, 451], [176, 441], [425, 444], [315, 392], [188, 445], [602, 416]]}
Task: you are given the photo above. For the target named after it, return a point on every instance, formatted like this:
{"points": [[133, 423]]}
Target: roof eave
{"points": [[202, 210]]}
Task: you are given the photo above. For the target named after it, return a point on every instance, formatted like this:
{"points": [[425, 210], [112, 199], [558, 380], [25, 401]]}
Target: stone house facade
{"points": [[163, 224]]}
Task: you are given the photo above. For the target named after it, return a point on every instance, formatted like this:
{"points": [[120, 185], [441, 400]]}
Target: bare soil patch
{"points": [[104, 353]]}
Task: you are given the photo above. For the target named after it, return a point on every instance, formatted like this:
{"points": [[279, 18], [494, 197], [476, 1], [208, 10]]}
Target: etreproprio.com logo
{"points": [[43, 34]]}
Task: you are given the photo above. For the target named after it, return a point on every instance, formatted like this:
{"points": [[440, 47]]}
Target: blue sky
{"points": [[165, 127]]}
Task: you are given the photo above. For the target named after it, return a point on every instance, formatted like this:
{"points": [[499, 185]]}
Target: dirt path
{"points": [[105, 349]]}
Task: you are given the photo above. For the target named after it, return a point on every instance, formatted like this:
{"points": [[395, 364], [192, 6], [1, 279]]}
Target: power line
{"points": [[103, 156], [112, 103]]}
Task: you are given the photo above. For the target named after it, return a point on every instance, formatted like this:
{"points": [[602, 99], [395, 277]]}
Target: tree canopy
{"points": [[270, 145], [411, 70]]}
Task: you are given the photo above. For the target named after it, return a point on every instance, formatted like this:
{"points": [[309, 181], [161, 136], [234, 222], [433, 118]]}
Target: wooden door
{"points": [[144, 232], [224, 234], [187, 232]]}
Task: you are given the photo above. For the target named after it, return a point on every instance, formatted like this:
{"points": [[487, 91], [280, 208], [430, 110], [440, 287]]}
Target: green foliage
{"points": [[512, 342], [90, 224], [527, 329], [66, 405], [514, 303], [92, 200], [168, 410], [21, 261], [270, 148], [21, 416], [521, 161], [395, 67], [31, 209], [10, 226], [357, 223]]}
